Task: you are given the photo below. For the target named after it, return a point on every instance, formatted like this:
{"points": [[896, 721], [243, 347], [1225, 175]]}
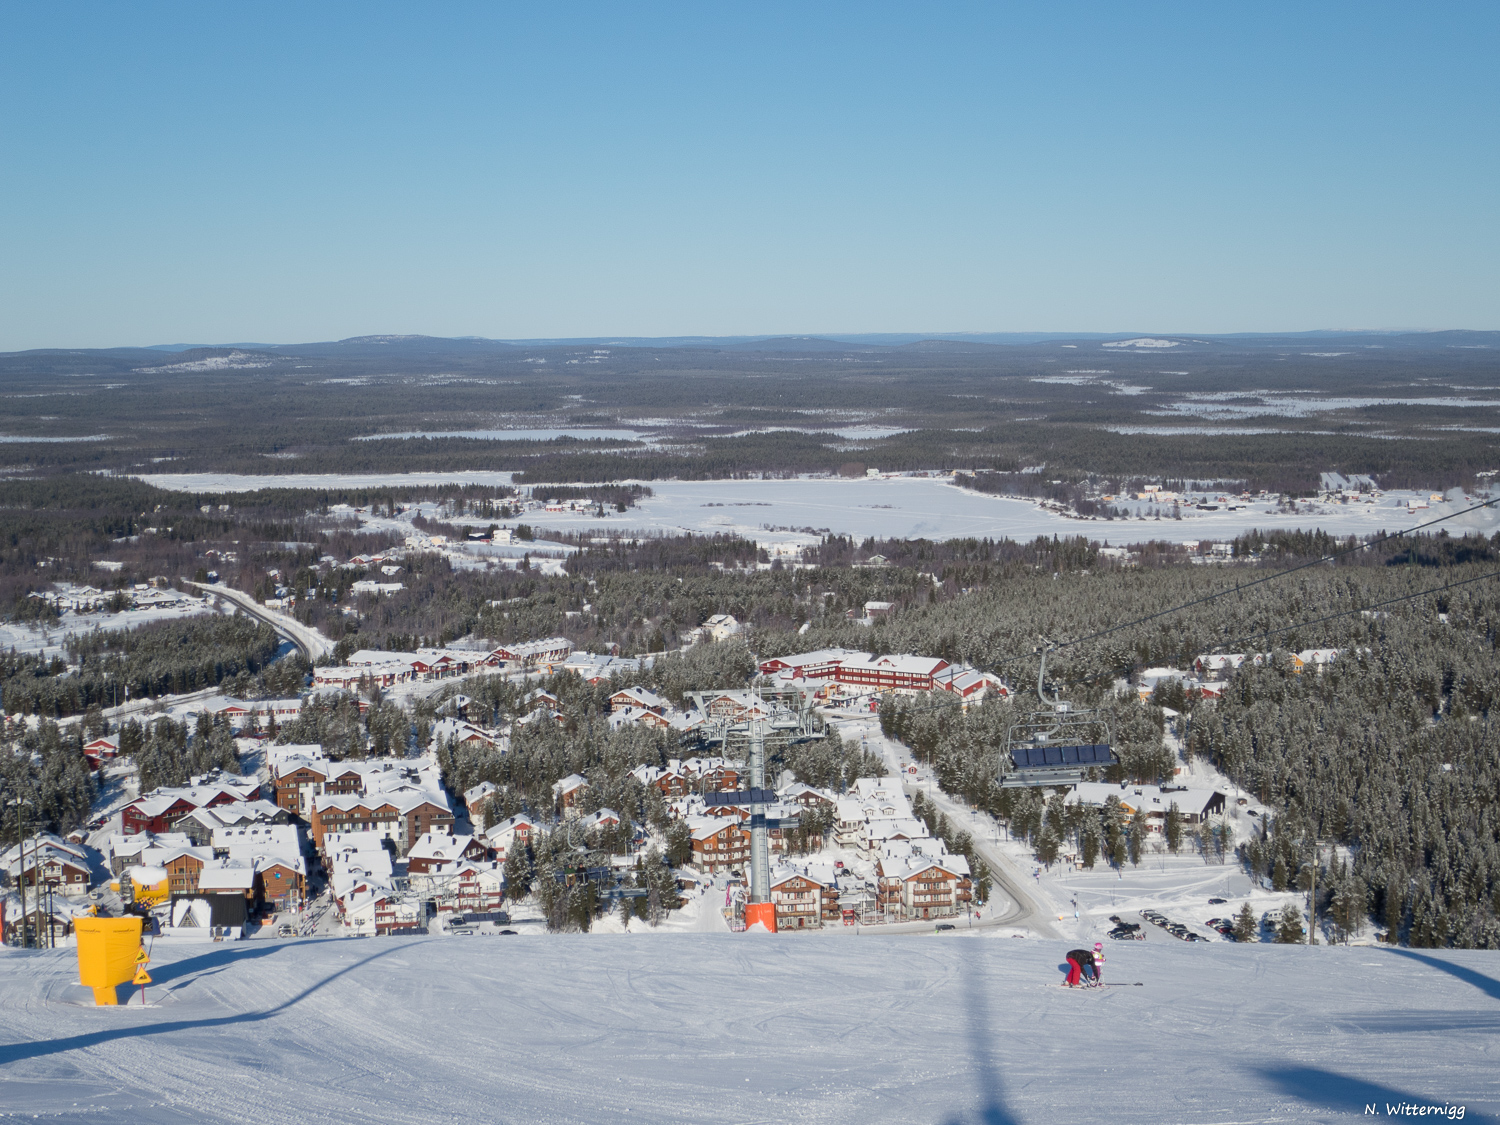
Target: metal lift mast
{"points": [[794, 726]]}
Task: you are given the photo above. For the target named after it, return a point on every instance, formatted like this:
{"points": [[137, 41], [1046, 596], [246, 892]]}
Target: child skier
{"points": [[1097, 967]]}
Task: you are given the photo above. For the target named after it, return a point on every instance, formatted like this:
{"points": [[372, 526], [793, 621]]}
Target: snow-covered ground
{"points": [[1078, 903], [51, 640], [896, 507], [750, 1028]]}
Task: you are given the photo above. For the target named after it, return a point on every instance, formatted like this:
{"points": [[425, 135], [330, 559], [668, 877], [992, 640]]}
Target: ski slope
{"points": [[751, 1028]]}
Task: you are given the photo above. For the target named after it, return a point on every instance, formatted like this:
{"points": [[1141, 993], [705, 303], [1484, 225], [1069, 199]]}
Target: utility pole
{"points": [[1312, 894], [17, 802]]}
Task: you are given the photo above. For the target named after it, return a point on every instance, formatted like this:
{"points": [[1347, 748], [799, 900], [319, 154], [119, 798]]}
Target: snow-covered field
{"points": [[898, 507], [750, 1028], [51, 640]]}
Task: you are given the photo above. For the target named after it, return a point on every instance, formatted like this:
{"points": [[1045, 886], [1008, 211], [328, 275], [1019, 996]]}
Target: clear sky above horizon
{"points": [[282, 173]]}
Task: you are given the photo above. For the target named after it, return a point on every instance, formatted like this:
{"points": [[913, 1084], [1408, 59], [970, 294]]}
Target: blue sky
{"points": [[205, 172]]}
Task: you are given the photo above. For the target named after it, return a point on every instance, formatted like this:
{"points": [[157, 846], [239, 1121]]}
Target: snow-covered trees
{"points": [[151, 660], [47, 769], [1289, 926], [165, 755], [1245, 927]]}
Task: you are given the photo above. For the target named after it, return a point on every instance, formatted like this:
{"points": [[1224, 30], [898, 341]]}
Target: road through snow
{"points": [[1022, 911], [749, 1028], [314, 645]]}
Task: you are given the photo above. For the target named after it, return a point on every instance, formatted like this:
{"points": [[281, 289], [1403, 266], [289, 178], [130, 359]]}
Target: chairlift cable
{"points": [[1279, 574], [1250, 636]]}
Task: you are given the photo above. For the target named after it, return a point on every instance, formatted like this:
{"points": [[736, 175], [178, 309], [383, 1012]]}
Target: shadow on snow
{"points": [[39, 1048]]}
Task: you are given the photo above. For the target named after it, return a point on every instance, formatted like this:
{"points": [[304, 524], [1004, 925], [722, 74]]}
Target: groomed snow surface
{"points": [[751, 1028]]}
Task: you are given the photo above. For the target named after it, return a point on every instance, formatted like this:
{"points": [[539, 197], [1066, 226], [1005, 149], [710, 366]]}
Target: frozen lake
{"points": [[898, 507]]}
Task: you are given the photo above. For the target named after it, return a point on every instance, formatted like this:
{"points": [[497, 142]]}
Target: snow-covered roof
{"points": [[596, 819], [640, 697], [479, 792], [1147, 798], [899, 663], [704, 827], [797, 790], [439, 847], [226, 876], [509, 826]]}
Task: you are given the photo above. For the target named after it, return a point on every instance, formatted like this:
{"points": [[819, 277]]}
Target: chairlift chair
{"points": [[1056, 745]]}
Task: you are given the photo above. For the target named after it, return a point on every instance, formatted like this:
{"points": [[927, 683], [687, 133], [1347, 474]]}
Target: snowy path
{"points": [[750, 1028]]}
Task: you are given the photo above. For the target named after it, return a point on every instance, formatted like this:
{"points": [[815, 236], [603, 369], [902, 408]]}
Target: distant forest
{"points": [[1416, 411]]}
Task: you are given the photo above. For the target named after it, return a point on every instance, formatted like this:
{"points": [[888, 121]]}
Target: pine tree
{"points": [[1047, 845], [1279, 874], [1349, 906], [518, 872], [982, 878], [1137, 838], [1245, 928], [1174, 828], [1289, 929], [1090, 842]]}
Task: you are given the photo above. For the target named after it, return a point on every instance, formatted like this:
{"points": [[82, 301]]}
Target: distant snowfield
{"points": [[897, 507], [52, 640], [751, 1028]]}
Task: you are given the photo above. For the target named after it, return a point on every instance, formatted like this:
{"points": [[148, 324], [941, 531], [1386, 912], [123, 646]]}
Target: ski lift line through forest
{"points": [[1279, 574], [1248, 636]]}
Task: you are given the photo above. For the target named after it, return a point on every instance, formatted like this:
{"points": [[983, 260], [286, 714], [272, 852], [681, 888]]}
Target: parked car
{"points": [[1119, 933], [286, 929], [943, 926], [1194, 937], [512, 933], [1216, 901], [461, 931]]}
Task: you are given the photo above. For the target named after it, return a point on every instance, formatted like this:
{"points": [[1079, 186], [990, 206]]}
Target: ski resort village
{"points": [[440, 802]]}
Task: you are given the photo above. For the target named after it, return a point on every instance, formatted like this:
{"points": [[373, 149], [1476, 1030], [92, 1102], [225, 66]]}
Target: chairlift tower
{"points": [[793, 726], [1055, 745]]}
